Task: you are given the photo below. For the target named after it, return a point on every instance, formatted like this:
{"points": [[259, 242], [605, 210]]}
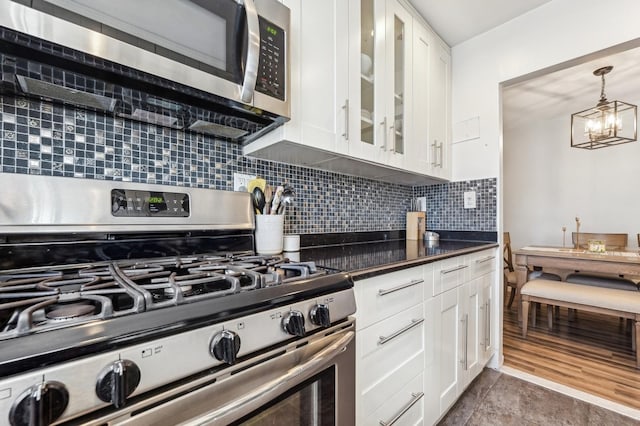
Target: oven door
{"points": [[309, 382]]}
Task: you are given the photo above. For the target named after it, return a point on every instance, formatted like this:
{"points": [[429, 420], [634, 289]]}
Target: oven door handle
{"points": [[253, 53], [267, 392]]}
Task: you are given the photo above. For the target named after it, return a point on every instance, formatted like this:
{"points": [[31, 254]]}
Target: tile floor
{"points": [[498, 399]]}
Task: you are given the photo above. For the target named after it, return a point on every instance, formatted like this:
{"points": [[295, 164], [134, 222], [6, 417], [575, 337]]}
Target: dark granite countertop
{"points": [[364, 260]]}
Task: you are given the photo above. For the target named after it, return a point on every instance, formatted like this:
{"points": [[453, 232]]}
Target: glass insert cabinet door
{"points": [[385, 49], [399, 44], [398, 85], [370, 71]]}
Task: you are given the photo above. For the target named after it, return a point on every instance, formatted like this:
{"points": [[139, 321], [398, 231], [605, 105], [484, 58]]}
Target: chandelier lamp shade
{"points": [[609, 123]]}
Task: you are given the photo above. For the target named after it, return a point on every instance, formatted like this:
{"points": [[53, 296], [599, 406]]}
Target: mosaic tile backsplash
{"points": [[445, 205], [50, 139]]}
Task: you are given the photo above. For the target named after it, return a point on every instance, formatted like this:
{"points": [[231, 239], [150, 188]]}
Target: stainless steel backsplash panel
{"points": [[50, 204]]}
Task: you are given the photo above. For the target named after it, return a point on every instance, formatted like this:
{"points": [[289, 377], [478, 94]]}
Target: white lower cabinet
{"points": [[404, 407], [470, 323], [384, 295], [457, 338], [390, 346], [424, 333], [487, 335], [463, 324], [448, 341]]}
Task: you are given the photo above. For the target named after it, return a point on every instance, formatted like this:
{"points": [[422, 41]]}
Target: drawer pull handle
{"points": [[414, 323], [465, 358], [415, 398], [485, 259], [487, 334], [457, 268], [411, 283]]}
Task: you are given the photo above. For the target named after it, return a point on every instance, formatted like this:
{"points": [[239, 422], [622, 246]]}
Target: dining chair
{"points": [[611, 242], [510, 277]]}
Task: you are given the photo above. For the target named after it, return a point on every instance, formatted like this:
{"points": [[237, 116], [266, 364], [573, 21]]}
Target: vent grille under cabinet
{"points": [[36, 68]]}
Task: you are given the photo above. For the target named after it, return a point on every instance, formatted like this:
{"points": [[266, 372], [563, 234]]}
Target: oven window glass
{"points": [[312, 403]]}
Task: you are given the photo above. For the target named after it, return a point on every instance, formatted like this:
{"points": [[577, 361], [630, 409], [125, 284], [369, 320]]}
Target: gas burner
{"points": [[67, 312], [33, 301]]}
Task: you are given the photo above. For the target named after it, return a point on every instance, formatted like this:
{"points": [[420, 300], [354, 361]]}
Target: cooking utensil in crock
{"points": [[268, 197], [287, 198], [258, 200], [277, 198]]}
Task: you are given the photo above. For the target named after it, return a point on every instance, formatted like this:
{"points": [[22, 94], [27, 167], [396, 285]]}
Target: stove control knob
{"points": [[225, 346], [40, 405], [320, 315], [117, 382], [293, 323]]}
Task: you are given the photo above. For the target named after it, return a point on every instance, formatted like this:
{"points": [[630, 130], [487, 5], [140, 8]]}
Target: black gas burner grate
{"points": [[41, 300], [33, 300]]}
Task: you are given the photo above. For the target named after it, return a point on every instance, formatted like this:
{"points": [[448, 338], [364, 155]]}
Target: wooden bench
{"points": [[607, 301]]}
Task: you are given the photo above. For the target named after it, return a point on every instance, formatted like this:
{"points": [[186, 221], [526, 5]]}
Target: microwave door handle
{"points": [[253, 52]]}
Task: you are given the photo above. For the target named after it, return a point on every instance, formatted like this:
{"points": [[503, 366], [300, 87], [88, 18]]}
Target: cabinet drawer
{"points": [[385, 295], [385, 346], [481, 263], [449, 273], [373, 397], [406, 406]]}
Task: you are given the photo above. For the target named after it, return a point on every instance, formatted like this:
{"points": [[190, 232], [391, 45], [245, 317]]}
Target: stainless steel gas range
{"points": [[137, 304]]}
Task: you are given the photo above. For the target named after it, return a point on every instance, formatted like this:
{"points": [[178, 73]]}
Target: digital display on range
{"points": [[131, 203]]}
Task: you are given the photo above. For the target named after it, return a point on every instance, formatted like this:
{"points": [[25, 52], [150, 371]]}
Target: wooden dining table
{"points": [[568, 259]]}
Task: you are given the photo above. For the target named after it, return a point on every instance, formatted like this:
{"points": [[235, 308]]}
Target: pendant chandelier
{"points": [[609, 123]]}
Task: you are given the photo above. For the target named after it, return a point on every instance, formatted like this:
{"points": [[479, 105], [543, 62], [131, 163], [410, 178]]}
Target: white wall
{"points": [[556, 32], [546, 184]]}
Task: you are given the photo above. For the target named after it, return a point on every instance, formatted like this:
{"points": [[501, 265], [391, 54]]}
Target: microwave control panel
{"points": [[271, 69], [132, 203]]}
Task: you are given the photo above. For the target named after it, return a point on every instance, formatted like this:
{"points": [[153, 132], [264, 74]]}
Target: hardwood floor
{"points": [[592, 353]]}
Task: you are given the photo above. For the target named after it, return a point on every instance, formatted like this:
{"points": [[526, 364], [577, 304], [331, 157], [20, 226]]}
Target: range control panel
{"points": [[271, 70], [132, 203]]}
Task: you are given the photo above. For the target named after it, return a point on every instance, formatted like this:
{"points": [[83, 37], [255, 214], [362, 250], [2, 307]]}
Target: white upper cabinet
{"points": [[440, 112], [380, 90], [319, 66], [399, 43], [419, 152], [369, 80]]}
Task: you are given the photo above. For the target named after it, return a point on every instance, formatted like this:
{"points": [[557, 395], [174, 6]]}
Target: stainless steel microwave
{"points": [[233, 49]]}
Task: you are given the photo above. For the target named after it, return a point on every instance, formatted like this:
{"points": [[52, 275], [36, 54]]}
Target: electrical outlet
{"points": [[241, 181], [470, 199]]}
